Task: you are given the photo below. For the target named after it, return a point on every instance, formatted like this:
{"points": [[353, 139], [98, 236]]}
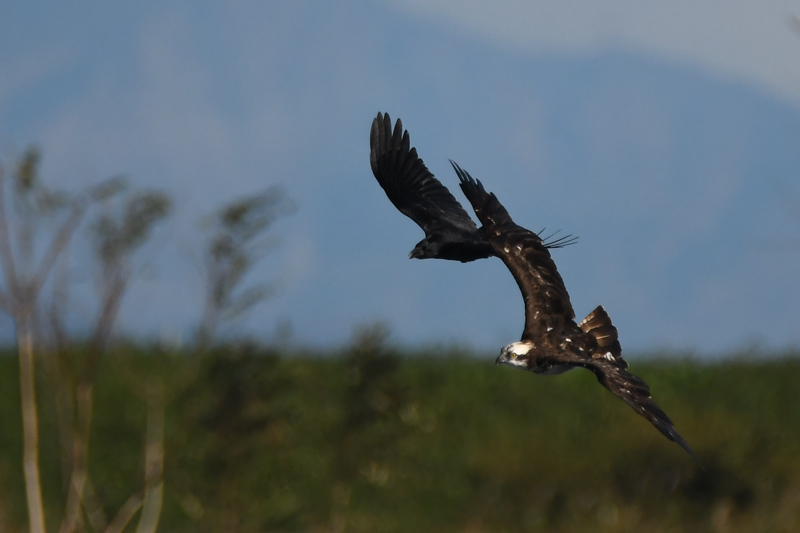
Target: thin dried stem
{"points": [[92, 507], [30, 423], [153, 458], [57, 246], [80, 457], [125, 514]]}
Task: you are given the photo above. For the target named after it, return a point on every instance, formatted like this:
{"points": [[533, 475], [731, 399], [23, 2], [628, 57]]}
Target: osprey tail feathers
{"points": [[599, 325]]}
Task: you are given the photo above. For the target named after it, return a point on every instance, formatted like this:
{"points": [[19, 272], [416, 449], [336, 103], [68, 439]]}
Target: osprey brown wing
{"points": [[612, 373], [547, 304], [636, 393]]}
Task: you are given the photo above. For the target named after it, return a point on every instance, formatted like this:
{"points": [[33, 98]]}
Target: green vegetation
{"points": [[34, 293], [371, 439]]}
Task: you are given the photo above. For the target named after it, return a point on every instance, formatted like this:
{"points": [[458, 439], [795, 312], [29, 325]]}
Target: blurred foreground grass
{"points": [[370, 439]]}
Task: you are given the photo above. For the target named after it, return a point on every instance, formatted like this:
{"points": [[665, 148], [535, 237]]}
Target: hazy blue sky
{"points": [[664, 134]]}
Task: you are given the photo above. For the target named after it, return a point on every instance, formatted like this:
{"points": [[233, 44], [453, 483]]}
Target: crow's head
{"points": [[422, 250], [429, 248]]}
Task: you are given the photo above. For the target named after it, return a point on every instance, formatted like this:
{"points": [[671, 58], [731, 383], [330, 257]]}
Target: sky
{"points": [[664, 135]]}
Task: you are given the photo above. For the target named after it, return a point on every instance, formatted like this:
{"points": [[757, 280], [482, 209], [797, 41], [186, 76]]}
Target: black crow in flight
{"points": [[450, 233], [552, 342]]}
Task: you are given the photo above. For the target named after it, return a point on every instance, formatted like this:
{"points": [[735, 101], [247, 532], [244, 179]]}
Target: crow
{"points": [[450, 233]]}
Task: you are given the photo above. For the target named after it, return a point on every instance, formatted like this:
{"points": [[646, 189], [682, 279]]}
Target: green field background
{"points": [[371, 438]]}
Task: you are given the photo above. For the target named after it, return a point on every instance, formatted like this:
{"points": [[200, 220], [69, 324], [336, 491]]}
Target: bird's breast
{"points": [[553, 370]]}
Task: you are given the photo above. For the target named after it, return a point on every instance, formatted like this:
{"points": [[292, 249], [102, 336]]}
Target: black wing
{"points": [[636, 393], [547, 305], [409, 184]]}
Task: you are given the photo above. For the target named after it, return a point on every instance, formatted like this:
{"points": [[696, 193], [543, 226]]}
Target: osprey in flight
{"points": [[449, 231], [551, 342]]}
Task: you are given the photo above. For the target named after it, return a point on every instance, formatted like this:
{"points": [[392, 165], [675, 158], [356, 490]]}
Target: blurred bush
{"points": [[370, 438]]}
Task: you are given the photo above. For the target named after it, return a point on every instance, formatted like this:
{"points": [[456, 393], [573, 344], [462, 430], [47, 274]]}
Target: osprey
{"points": [[450, 233], [552, 342]]}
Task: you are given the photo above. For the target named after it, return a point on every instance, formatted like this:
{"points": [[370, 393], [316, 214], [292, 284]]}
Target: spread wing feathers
{"points": [[547, 305], [636, 393], [598, 325], [558, 242], [409, 184]]}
